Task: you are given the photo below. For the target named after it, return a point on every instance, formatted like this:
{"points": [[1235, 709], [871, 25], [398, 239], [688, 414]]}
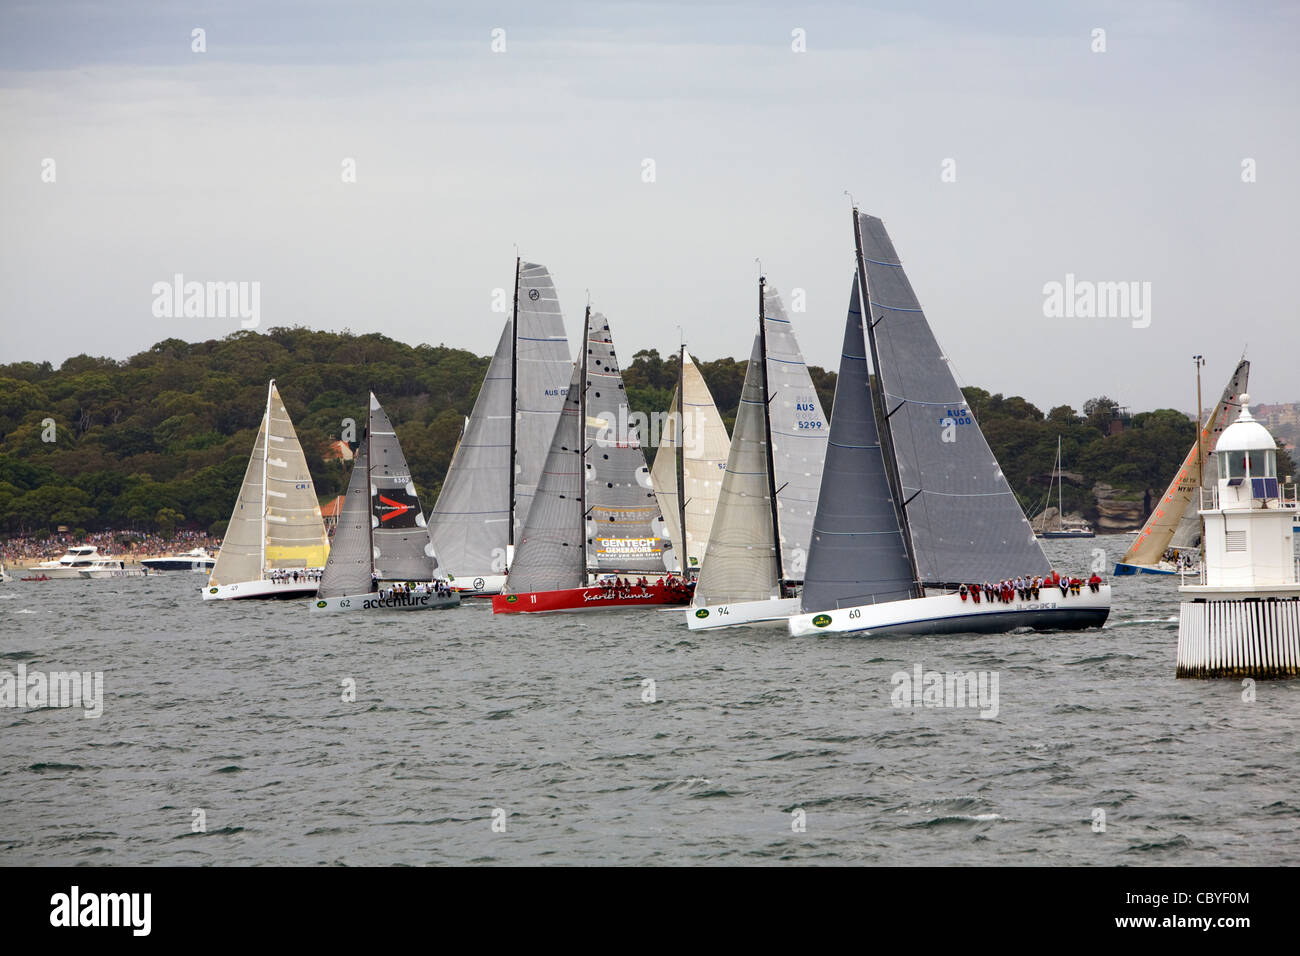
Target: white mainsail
{"points": [[277, 522], [482, 506], [625, 532], [799, 431]]}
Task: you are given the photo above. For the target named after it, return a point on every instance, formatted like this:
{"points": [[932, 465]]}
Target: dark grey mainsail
{"points": [[858, 553], [740, 562], [965, 523], [348, 569], [625, 531], [549, 553], [470, 523], [542, 367], [403, 551], [799, 432]]}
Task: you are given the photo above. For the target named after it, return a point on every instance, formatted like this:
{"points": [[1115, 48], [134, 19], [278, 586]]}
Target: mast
{"points": [[767, 433], [1200, 451], [680, 452], [514, 408], [265, 498], [582, 439], [1060, 491], [370, 524], [886, 435]]}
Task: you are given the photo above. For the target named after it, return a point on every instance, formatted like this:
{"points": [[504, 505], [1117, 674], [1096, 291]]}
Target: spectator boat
{"points": [[196, 559], [84, 561]]}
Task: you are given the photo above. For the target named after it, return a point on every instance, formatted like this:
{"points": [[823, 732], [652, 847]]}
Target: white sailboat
{"points": [[769, 489], [913, 507], [382, 537], [1175, 523], [1062, 530], [489, 487], [689, 464], [275, 543]]}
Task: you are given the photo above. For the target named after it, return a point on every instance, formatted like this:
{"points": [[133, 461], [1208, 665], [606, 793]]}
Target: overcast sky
{"points": [[226, 165]]}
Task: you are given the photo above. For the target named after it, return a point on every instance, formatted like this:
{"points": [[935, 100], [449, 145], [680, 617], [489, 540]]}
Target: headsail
{"points": [[663, 476], [858, 554], [741, 560], [277, 521], [704, 457], [549, 554], [799, 433], [403, 550], [964, 520], [295, 530], [470, 523], [349, 569], [1176, 516], [542, 367], [624, 529], [240, 557]]}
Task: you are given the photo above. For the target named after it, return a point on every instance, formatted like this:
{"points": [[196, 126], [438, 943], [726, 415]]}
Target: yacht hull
{"points": [[949, 614], [1124, 570], [259, 589], [713, 616], [589, 599], [484, 585], [373, 602]]}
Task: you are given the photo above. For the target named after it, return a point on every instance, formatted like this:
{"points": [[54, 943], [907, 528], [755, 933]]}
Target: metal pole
{"points": [[767, 433]]}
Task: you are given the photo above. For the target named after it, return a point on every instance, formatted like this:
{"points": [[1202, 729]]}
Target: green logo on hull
{"points": [[322, 604], [821, 620], [512, 598], [702, 613]]}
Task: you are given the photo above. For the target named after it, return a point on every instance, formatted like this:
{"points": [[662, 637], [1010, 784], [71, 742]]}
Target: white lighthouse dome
{"points": [[1245, 434]]}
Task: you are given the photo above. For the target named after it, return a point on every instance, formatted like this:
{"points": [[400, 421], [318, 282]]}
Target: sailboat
{"points": [[1176, 521], [1061, 530], [689, 465], [489, 488], [757, 549], [382, 535], [914, 506], [595, 514], [275, 542]]}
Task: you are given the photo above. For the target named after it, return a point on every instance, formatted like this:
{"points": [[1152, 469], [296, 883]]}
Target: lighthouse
{"points": [[1243, 618]]}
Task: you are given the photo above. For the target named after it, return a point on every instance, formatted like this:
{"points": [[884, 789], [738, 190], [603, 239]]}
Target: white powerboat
{"points": [[196, 559], [85, 561]]}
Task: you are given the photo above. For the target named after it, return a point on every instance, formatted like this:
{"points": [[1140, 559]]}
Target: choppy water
{"points": [[236, 709]]}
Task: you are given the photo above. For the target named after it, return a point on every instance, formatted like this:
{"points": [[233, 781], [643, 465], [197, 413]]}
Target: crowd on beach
{"points": [[1028, 588], [130, 545]]}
